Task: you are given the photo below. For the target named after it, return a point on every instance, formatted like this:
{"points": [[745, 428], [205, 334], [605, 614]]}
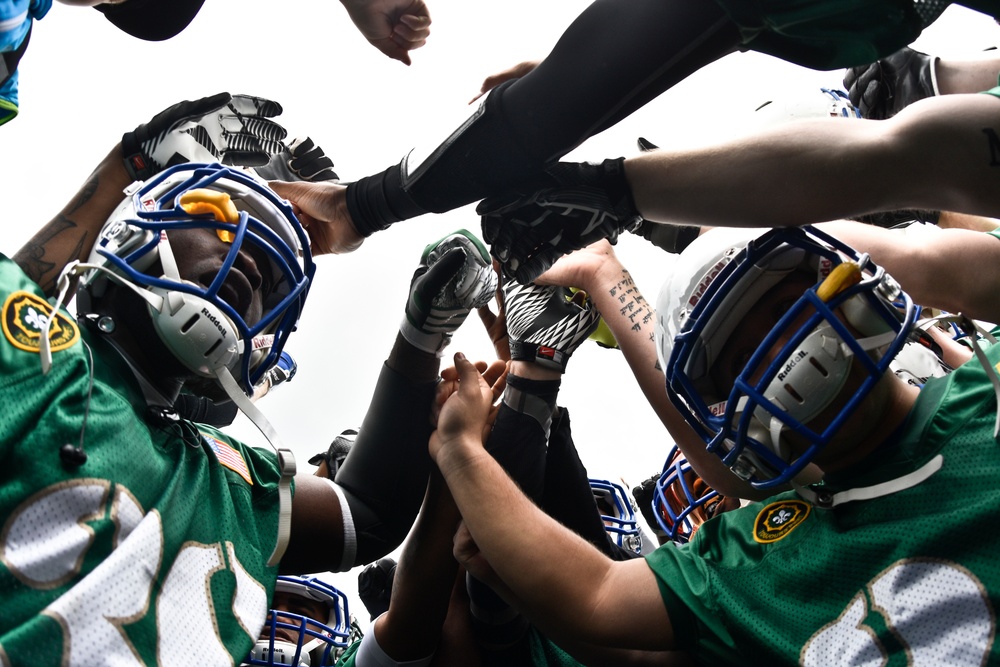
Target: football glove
{"points": [[578, 204], [881, 90], [299, 160], [231, 129], [282, 371]]}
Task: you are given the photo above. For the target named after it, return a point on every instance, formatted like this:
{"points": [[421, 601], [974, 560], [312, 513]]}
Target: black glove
{"points": [[336, 452], [672, 238], [881, 90], [578, 204], [300, 160], [375, 585], [231, 129]]}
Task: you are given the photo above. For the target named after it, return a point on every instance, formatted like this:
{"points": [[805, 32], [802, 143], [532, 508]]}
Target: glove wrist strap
{"points": [[620, 193], [547, 357], [136, 162]]}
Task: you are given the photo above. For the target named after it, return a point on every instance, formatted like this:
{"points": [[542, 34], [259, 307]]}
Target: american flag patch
{"points": [[229, 457]]}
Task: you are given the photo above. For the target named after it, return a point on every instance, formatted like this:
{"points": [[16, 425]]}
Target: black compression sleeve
{"points": [[385, 474], [568, 496], [613, 59]]}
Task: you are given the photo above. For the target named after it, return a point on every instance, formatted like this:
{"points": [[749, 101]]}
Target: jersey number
{"points": [[938, 611], [44, 544]]}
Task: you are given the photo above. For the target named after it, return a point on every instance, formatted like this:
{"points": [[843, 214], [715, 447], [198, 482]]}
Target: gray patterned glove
{"points": [[300, 160], [231, 129]]}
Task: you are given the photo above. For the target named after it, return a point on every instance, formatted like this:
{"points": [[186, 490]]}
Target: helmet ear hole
{"points": [[205, 338]]}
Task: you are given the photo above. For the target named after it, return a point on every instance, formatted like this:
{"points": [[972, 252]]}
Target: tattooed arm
{"points": [[70, 235], [597, 270]]}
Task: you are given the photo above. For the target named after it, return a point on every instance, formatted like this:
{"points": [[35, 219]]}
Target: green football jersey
{"points": [[909, 578], [154, 550]]}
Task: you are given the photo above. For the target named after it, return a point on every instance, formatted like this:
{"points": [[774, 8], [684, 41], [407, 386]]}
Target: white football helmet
{"points": [[292, 639], [716, 283], [819, 103], [202, 325], [618, 514]]}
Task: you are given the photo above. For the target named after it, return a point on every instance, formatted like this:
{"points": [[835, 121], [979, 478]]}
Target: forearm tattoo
{"points": [[633, 305], [57, 243]]}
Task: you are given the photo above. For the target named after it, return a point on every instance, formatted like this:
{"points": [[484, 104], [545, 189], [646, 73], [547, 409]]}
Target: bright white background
{"points": [[83, 83]]}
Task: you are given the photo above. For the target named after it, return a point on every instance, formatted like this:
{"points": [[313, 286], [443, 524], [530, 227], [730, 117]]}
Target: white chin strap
{"points": [[826, 500], [286, 460], [74, 270]]}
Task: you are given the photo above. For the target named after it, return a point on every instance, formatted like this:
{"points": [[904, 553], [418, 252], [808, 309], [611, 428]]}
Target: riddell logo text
{"points": [[211, 318], [799, 356], [705, 281]]}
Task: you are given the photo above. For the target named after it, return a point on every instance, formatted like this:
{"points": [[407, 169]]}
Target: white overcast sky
{"points": [[83, 83]]}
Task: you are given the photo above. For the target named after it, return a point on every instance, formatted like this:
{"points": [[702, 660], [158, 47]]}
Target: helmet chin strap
{"points": [[286, 460], [827, 500], [74, 270]]}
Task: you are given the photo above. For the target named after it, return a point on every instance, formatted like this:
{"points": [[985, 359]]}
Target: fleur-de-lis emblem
{"points": [[36, 319], [781, 517]]}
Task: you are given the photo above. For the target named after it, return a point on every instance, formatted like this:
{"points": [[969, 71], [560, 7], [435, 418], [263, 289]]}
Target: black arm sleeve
{"points": [[385, 474], [613, 59]]}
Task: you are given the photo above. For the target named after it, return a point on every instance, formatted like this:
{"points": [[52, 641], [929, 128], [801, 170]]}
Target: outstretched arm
{"points": [[598, 271], [941, 153], [425, 575], [957, 270], [231, 129], [548, 588], [71, 234]]}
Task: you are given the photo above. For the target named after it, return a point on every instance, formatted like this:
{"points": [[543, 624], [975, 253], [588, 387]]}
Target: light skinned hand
{"points": [[322, 210], [496, 324], [463, 406], [467, 553], [394, 27], [515, 72], [494, 373], [579, 268]]}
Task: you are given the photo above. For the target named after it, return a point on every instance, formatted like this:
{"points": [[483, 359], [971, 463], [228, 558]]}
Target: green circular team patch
{"points": [[25, 317], [777, 520]]}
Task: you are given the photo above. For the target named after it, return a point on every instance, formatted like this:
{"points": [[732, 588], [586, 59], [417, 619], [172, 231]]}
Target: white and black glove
{"points": [[282, 371], [299, 160], [231, 129]]}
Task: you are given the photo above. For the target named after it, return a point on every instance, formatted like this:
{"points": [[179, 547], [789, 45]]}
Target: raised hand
{"points": [[394, 27], [231, 129], [322, 210]]}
